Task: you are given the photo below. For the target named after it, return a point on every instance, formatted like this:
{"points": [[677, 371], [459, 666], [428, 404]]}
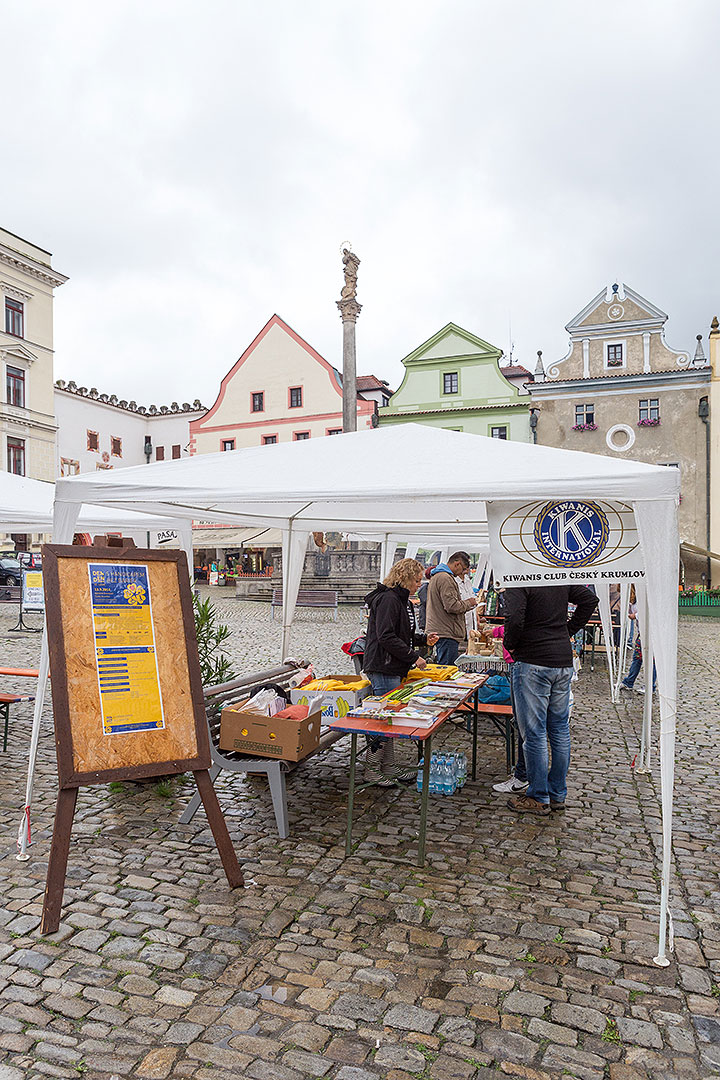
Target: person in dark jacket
{"points": [[391, 650], [537, 635]]}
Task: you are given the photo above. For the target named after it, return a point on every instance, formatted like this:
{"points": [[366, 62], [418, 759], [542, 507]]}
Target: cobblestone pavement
{"points": [[522, 950]]}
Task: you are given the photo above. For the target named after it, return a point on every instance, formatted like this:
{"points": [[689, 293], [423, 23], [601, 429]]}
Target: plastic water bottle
{"points": [[461, 768], [447, 777], [454, 778], [421, 762], [434, 775]]}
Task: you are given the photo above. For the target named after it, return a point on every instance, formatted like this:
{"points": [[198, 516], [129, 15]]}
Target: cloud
{"points": [[196, 169]]}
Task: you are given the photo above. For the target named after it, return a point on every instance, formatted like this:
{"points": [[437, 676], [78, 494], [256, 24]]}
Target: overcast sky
{"points": [[196, 167]]}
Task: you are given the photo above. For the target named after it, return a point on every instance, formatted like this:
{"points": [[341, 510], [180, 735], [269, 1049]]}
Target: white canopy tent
{"points": [[412, 482], [26, 506]]}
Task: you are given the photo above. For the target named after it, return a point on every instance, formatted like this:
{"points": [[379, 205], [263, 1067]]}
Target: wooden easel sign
{"points": [[126, 684]]}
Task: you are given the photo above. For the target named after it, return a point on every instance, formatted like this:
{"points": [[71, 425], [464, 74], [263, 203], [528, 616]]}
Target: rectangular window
{"points": [[93, 440], [649, 409], [585, 414], [68, 467], [225, 444], [295, 397], [268, 440], [115, 446], [159, 453], [450, 382], [16, 456], [15, 386], [301, 435], [258, 401], [176, 451], [498, 433], [14, 317], [335, 431], [615, 356]]}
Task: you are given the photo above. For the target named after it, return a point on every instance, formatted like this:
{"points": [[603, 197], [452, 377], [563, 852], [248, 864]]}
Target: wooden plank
{"points": [[57, 865], [219, 828]]}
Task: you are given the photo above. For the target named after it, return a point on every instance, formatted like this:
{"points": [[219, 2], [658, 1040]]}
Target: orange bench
{"points": [[6, 700]]}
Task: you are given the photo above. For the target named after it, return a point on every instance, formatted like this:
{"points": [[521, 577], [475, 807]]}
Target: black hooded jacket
{"points": [[389, 639]]}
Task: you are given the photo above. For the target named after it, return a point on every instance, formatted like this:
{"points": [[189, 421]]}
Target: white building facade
{"points": [[27, 420], [102, 431]]}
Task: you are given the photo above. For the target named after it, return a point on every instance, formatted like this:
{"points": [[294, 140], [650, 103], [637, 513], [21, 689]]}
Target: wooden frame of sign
{"points": [[127, 692]]}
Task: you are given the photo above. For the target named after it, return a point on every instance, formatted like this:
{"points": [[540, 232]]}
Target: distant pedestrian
{"points": [[422, 597]]}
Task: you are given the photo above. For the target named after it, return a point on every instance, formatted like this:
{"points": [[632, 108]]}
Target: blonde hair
{"points": [[404, 573]]}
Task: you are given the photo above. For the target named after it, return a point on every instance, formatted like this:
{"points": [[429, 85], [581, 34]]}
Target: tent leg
{"points": [[24, 831]]}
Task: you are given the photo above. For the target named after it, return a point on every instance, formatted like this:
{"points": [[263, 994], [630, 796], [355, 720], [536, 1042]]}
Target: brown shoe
{"points": [[557, 805], [523, 804]]}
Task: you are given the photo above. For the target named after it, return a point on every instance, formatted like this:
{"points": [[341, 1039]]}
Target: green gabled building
{"points": [[454, 380]]}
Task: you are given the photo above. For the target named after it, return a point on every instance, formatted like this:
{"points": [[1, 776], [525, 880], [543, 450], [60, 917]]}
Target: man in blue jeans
{"points": [[537, 634]]}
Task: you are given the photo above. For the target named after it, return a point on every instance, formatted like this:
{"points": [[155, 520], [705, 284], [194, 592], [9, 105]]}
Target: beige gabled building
{"points": [[280, 390], [27, 412], [622, 391]]}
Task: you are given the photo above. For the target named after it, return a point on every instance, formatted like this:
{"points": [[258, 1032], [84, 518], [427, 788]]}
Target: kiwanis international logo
{"points": [[571, 533]]}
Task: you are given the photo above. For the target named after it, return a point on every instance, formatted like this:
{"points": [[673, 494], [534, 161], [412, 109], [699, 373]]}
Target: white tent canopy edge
{"points": [[300, 488]]}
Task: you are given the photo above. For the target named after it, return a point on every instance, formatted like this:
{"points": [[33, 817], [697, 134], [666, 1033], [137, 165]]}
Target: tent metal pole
{"points": [[24, 830]]}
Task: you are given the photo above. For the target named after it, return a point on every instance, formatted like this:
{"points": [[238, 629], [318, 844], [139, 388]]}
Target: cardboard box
{"points": [[336, 704], [269, 736]]}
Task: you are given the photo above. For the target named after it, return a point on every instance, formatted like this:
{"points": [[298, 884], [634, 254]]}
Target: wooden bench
{"points": [[216, 697], [6, 700], [312, 598], [501, 717]]}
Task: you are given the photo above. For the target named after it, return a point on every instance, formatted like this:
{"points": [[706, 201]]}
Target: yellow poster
{"points": [[125, 652]]}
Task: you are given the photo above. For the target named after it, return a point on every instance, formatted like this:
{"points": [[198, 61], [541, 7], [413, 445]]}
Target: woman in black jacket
{"points": [[390, 652]]}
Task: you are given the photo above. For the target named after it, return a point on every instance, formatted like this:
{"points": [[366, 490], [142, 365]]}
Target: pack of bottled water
{"points": [[448, 773]]}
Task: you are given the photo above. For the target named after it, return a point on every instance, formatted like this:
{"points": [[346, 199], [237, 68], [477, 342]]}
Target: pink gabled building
{"points": [[280, 390]]}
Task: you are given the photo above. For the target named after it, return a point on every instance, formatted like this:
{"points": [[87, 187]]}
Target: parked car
{"points": [[10, 571]]}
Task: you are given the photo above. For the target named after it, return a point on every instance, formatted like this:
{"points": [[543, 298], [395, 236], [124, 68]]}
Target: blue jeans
{"points": [[447, 650], [542, 703], [381, 684]]}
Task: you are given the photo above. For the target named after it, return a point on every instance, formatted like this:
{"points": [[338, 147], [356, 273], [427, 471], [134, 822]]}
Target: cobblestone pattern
{"points": [[522, 950]]}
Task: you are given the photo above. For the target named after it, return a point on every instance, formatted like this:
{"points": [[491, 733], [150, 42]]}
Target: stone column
{"points": [[349, 311]]}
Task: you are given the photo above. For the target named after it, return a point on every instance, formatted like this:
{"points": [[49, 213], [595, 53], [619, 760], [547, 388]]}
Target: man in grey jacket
{"points": [[446, 609]]}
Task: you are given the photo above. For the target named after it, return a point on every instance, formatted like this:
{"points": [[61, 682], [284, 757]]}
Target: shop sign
{"points": [[563, 542]]}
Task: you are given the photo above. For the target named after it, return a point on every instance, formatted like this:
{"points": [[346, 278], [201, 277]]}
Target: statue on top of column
{"points": [[350, 269]]}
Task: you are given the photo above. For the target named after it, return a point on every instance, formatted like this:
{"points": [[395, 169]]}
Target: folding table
{"points": [[356, 725]]}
